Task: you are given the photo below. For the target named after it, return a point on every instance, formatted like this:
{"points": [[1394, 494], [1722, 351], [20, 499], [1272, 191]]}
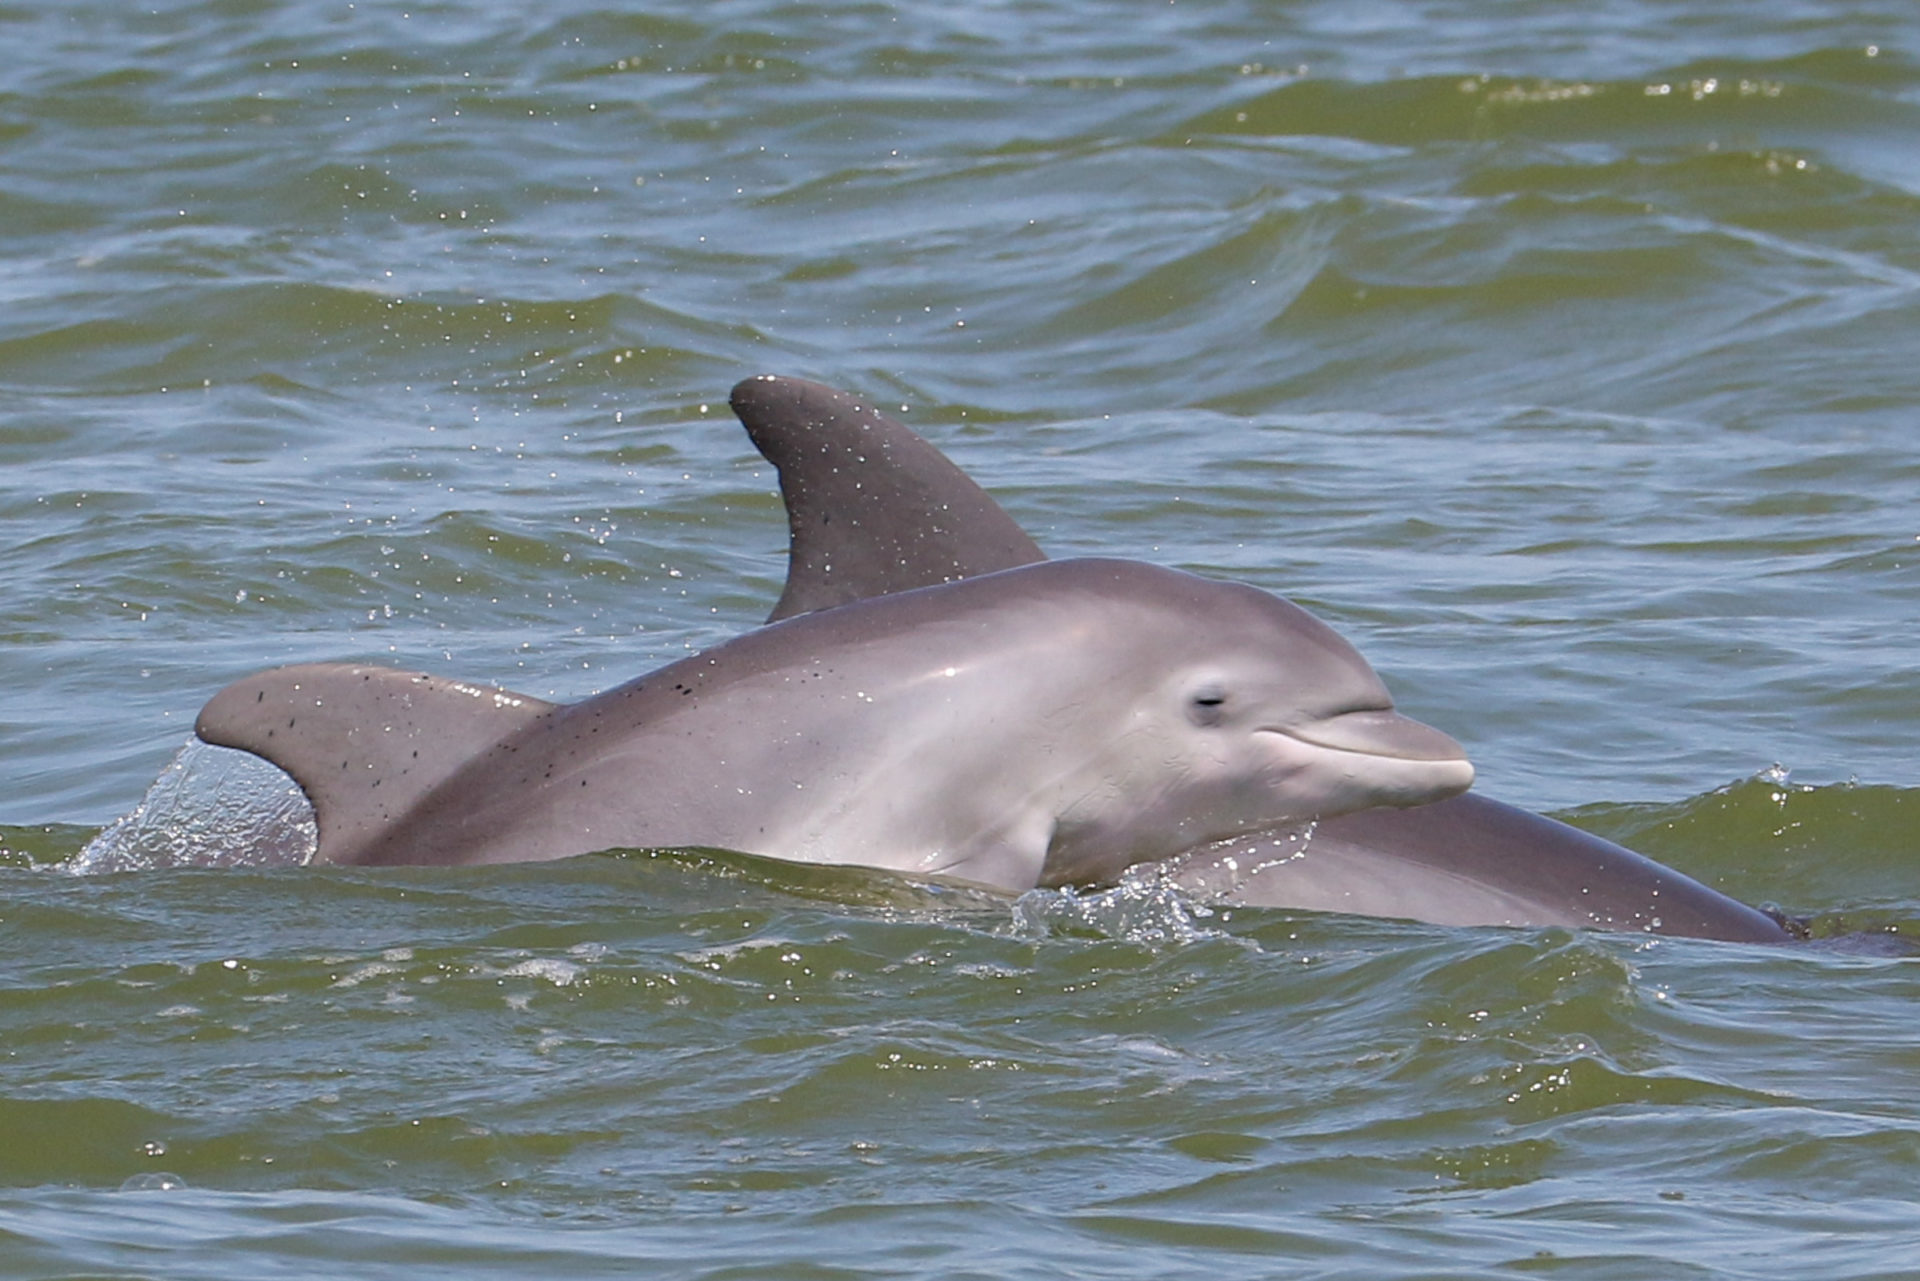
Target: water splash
{"points": [[210, 807], [1216, 873], [1147, 906]]}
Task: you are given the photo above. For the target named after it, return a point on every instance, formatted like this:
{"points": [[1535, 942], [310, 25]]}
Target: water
{"points": [[1562, 357]]}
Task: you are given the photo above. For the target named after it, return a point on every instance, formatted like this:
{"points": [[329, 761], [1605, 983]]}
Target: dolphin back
{"points": [[366, 744], [1472, 860]]}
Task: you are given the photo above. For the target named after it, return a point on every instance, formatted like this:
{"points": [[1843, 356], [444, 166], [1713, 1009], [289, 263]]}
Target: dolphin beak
{"points": [[1380, 733]]}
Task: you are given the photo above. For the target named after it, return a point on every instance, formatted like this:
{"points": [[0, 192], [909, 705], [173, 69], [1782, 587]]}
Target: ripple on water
{"points": [[1562, 360]]}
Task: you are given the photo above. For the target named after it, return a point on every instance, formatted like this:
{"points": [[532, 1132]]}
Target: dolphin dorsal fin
{"points": [[872, 509], [364, 743]]}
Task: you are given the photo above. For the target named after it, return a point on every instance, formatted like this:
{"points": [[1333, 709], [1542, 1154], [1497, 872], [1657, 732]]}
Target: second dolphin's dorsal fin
{"points": [[872, 509], [366, 744]]}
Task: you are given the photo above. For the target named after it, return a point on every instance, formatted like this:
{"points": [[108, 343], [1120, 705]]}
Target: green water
{"points": [[1563, 357]]}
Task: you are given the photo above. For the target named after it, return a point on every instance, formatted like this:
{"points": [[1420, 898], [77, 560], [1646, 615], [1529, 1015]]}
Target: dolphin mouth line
{"points": [[1375, 733]]}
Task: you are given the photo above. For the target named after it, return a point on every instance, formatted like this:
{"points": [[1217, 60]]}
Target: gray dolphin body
{"points": [[1470, 860], [1042, 725], [875, 509]]}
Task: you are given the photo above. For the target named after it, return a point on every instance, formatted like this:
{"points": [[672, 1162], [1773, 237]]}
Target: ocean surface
{"points": [[1566, 358]]}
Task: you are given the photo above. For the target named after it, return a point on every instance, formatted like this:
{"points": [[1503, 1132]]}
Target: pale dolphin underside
{"points": [[874, 509]]}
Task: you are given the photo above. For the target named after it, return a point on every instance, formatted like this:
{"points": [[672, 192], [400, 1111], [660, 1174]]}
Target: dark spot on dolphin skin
{"points": [[290, 721], [261, 697]]}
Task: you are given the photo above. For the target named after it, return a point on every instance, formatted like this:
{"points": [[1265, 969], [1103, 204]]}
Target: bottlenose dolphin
{"points": [[1470, 860], [1042, 725], [874, 509]]}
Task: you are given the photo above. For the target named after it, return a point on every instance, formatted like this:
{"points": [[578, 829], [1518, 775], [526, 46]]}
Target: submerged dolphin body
{"points": [[1043, 725], [874, 509]]}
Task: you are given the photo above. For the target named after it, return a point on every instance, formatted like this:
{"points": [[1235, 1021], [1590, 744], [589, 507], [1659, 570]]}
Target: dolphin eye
{"points": [[1207, 705]]}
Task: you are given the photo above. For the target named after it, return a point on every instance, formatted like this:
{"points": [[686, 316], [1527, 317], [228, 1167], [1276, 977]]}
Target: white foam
{"points": [[211, 806]]}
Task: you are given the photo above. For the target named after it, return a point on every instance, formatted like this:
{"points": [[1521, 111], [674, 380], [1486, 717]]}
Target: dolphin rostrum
{"points": [[878, 510], [1041, 725]]}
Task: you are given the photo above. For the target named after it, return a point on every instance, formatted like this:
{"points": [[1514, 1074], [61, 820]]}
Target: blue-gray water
{"points": [[1564, 357]]}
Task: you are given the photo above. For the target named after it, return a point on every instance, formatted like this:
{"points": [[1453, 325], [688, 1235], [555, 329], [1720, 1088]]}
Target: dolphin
{"points": [[1471, 860], [1047, 724], [874, 509]]}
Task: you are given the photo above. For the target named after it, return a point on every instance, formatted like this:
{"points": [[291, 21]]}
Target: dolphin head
{"points": [[1253, 715]]}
